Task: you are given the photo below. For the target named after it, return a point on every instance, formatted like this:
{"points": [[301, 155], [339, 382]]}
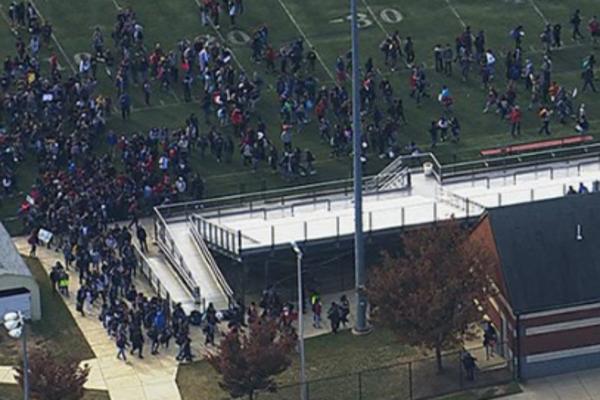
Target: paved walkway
{"points": [[584, 385], [152, 378]]}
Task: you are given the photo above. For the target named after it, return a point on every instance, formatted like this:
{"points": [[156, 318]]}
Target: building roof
{"points": [[11, 262], [544, 264]]}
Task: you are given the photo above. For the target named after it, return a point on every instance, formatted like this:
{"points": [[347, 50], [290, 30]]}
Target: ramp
{"points": [[165, 282], [200, 266]]}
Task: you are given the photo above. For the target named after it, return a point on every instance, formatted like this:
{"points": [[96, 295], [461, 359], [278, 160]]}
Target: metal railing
{"points": [[219, 237], [524, 160], [335, 227], [413, 380], [254, 201], [167, 245], [213, 268], [466, 204], [395, 175], [152, 279]]}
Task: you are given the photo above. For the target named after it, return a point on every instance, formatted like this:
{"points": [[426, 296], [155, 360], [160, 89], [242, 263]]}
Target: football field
{"points": [[324, 26]]}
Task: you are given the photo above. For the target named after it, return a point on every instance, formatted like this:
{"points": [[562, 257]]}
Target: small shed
{"points": [[547, 272], [19, 290]]}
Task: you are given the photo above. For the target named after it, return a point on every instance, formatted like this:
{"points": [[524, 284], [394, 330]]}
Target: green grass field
{"points": [[323, 24], [56, 331], [324, 359], [13, 392]]}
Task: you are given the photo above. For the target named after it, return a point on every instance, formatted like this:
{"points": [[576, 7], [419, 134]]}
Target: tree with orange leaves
{"points": [[432, 294], [249, 361]]}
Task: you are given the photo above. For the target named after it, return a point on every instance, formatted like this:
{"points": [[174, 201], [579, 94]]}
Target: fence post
{"points": [[402, 215], [435, 212], [467, 206], [337, 227], [370, 221], [305, 231], [272, 235], [499, 199], [359, 385], [410, 381], [531, 194], [460, 370]]}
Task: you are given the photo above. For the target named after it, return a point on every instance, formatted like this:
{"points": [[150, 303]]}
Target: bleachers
{"points": [[536, 146]]}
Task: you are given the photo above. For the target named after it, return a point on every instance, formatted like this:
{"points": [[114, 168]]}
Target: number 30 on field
{"points": [[387, 15]]}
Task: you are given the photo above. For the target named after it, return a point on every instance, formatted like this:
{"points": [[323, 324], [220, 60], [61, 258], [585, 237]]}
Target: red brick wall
{"points": [[562, 340], [483, 234], [563, 317]]}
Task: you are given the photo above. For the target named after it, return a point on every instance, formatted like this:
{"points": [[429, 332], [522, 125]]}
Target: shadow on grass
{"points": [[13, 392], [56, 331]]}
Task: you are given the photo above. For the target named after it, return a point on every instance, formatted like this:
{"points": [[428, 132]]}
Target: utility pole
{"points": [[14, 322], [359, 245], [299, 255]]}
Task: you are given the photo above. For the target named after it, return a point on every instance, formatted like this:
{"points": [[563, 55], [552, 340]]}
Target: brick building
{"points": [[547, 272]]}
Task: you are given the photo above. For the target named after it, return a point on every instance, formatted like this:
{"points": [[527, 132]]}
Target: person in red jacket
{"points": [[237, 120], [594, 28], [515, 117]]}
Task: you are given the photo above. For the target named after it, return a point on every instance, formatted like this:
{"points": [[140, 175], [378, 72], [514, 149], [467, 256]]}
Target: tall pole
{"points": [[299, 254], [25, 363], [359, 246]]}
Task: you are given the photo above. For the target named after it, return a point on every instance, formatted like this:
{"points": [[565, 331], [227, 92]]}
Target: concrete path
{"points": [[584, 385], [152, 378], [95, 379]]}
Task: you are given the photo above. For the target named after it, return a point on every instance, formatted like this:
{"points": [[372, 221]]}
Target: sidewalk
{"points": [[584, 385], [152, 378]]}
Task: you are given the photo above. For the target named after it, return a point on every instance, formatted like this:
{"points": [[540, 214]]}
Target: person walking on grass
{"points": [[333, 314], [515, 117], [576, 23], [544, 115]]}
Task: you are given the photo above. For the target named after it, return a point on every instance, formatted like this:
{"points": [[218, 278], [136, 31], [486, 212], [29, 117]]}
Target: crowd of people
{"points": [[89, 175]]}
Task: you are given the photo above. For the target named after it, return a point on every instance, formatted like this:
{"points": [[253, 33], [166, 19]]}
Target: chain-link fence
{"points": [[414, 380]]}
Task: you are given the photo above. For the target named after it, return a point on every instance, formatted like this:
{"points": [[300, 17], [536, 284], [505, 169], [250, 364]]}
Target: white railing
{"points": [[219, 237], [146, 270], [213, 268], [167, 245]]}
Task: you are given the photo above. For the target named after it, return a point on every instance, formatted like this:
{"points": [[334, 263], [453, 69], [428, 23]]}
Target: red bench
{"points": [[536, 146]]}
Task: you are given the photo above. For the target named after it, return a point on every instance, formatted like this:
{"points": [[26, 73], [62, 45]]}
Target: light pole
{"points": [[15, 325], [361, 326], [299, 256]]}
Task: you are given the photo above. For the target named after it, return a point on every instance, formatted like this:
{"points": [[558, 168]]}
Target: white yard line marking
{"points": [[535, 50], [117, 5], [377, 21], [5, 18], [175, 95], [455, 12], [291, 17], [538, 11], [60, 48], [224, 41]]}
